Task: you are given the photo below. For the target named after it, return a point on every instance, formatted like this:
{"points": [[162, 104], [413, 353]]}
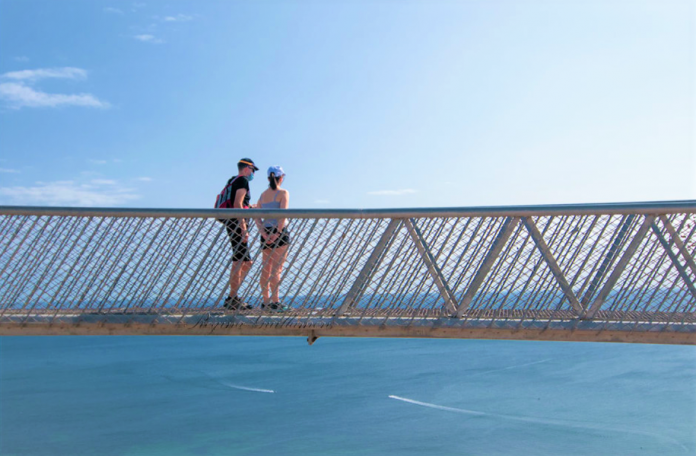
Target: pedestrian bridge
{"points": [[602, 272]]}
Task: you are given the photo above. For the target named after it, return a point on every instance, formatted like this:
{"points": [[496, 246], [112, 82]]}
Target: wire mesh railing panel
{"points": [[608, 241], [461, 248], [629, 267], [398, 282], [520, 279], [658, 279]]}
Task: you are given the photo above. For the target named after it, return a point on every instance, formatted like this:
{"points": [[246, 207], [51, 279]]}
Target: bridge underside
{"points": [[511, 325]]}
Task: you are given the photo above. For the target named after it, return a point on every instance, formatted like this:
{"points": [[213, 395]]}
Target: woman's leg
{"points": [[266, 274], [277, 260]]}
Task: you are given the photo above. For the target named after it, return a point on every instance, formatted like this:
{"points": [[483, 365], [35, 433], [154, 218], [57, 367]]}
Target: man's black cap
{"points": [[249, 162]]}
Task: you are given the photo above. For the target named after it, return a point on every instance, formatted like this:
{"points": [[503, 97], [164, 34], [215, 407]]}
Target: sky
{"points": [[365, 104]]}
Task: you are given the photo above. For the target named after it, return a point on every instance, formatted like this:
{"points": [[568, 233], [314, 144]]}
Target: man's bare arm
{"points": [[238, 200]]}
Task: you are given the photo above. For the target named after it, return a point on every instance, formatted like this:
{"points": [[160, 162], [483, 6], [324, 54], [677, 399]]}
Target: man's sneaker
{"points": [[235, 304], [275, 307]]}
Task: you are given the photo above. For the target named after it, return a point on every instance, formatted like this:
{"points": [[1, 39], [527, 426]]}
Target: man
{"points": [[237, 230]]}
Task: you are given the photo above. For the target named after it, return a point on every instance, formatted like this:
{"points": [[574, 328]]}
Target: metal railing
{"points": [[605, 272]]}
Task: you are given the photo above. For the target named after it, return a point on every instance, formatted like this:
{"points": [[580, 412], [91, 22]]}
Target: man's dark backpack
{"points": [[225, 200]]}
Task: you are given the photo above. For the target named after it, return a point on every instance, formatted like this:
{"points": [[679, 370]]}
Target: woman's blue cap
{"points": [[276, 170]]}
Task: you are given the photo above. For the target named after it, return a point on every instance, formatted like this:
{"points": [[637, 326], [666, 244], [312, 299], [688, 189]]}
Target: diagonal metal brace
{"points": [[552, 264], [675, 260], [501, 239], [433, 268], [680, 244], [369, 268], [608, 259], [620, 266]]}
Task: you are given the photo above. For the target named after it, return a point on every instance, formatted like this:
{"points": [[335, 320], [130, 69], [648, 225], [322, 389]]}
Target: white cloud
{"points": [[178, 18], [103, 182], [145, 179], [21, 58], [19, 95], [6, 170], [112, 10], [45, 73], [148, 39], [68, 193], [139, 5], [98, 162], [405, 191]]}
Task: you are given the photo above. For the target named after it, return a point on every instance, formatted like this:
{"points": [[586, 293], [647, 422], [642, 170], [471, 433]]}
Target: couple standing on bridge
{"points": [[274, 234]]}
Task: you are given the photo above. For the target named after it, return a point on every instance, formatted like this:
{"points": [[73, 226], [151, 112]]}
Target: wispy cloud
{"points": [[405, 191], [147, 38], [112, 10], [19, 93], [46, 73], [178, 18], [144, 179], [69, 193], [103, 182], [21, 58], [7, 170]]}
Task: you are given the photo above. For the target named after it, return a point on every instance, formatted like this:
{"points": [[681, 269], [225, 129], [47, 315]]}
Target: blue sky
{"points": [[364, 103]]}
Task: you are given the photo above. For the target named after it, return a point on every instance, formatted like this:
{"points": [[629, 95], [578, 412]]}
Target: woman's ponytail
{"points": [[273, 181]]}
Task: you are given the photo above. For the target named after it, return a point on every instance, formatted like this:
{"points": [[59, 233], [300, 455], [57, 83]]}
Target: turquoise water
{"points": [[279, 396]]}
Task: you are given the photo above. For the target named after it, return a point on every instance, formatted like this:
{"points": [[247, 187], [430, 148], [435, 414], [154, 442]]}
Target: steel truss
{"points": [[608, 272]]}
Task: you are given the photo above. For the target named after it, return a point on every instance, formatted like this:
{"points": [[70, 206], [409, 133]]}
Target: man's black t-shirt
{"points": [[241, 182], [233, 228]]}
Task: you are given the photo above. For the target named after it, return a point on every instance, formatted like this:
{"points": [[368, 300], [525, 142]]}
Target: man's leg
{"points": [[235, 277], [239, 271], [241, 264]]}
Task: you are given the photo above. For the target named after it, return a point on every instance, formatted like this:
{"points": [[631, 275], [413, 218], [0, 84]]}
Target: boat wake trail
{"points": [[220, 382], [439, 407], [246, 388], [562, 423]]}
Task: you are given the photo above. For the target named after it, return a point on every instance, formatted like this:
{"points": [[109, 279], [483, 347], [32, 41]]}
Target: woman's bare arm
{"points": [[258, 222], [284, 204]]}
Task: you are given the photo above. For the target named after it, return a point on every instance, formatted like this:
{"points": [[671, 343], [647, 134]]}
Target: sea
{"points": [[231, 395]]}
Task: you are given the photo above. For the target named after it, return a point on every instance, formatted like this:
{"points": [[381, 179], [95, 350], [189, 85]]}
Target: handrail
{"points": [[648, 207]]}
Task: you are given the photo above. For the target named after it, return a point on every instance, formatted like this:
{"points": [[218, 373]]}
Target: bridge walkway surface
{"points": [[600, 272]]}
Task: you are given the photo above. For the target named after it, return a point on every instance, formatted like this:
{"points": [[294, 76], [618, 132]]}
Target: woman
{"points": [[274, 238]]}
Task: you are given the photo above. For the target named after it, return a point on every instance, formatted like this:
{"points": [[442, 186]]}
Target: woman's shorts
{"points": [[281, 241]]}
